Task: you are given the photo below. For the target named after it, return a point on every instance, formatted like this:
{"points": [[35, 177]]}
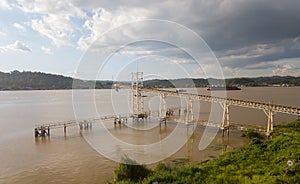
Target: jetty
{"points": [[139, 93]]}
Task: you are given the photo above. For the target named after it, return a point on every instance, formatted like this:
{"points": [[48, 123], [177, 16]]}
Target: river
{"points": [[69, 158]]}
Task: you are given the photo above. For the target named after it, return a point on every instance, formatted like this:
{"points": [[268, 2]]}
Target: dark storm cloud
{"points": [[232, 25], [254, 22], [239, 26], [251, 57], [224, 24]]}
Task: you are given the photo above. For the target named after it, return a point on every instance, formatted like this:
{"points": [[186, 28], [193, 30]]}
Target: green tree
{"points": [[130, 170]]}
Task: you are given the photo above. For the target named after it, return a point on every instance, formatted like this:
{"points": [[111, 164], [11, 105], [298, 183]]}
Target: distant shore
{"points": [[128, 88], [27, 80]]}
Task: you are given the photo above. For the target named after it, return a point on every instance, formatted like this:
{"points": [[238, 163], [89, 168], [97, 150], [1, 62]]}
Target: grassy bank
{"points": [[261, 161]]}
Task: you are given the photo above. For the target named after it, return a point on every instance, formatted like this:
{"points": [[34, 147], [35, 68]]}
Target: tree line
{"points": [[27, 80]]}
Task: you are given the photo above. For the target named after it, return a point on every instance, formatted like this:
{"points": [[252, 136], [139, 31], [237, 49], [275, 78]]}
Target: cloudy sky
{"points": [[249, 38]]}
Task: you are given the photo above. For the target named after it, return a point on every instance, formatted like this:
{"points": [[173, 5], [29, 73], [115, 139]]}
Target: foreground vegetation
{"points": [[262, 161]]}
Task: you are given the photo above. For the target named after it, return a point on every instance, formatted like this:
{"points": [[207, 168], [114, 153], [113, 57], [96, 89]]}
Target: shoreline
{"points": [[60, 89]]}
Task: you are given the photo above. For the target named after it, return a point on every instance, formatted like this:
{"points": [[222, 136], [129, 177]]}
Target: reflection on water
{"points": [[68, 158]]}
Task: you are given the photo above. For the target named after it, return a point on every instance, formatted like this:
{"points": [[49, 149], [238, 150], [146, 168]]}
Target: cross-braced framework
{"points": [[138, 110], [268, 108], [137, 95], [225, 123], [162, 107], [189, 110]]}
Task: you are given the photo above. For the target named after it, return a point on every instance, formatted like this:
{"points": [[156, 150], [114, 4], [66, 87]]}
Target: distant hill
{"points": [[257, 81], [16, 80], [265, 81], [27, 80]]}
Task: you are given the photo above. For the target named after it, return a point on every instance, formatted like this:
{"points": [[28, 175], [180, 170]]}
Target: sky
{"points": [[164, 39]]}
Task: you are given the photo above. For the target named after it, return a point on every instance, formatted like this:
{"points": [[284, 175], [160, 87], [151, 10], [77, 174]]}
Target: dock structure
{"points": [[233, 126], [139, 93], [42, 130], [268, 108]]}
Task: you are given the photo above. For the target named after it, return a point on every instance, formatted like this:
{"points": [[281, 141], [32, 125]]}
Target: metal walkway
{"points": [[138, 109], [44, 129], [229, 101], [268, 108]]}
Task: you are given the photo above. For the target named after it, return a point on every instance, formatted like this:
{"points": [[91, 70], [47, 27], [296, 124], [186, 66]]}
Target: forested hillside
{"points": [[27, 80], [257, 81], [36, 80]]}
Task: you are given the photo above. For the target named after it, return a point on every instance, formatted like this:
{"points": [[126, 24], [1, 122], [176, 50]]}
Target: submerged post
{"points": [[42, 131], [36, 132], [65, 128]]}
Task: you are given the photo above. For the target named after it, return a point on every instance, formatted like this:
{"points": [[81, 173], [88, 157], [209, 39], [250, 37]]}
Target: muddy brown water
{"points": [[70, 159]]}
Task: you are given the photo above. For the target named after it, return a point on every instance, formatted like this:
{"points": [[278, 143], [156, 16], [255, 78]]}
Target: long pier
{"points": [[268, 108], [44, 129], [228, 101], [138, 110]]}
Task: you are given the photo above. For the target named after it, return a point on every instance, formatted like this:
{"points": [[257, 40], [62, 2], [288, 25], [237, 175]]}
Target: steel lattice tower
{"points": [[137, 96]]}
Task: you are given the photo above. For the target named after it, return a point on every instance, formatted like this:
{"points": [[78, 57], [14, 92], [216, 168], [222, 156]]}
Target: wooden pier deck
{"points": [[44, 129]]}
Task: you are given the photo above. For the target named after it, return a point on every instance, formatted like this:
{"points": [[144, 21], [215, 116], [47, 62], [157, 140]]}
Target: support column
{"points": [[36, 132], [189, 110], [43, 131], [270, 122], [65, 128], [225, 124], [163, 108], [270, 114]]}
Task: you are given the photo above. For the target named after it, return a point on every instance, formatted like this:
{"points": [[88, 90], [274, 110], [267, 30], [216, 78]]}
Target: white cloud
{"points": [[58, 30], [56, 19], [251, 52], [19, 26], [286, 69], [198, 73], [208, 71], [4, 4], [17, 46], [60, 7], [103, 20], [137, 52], [46, 50], [231, 72], [183, 61], [261, 65]]}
